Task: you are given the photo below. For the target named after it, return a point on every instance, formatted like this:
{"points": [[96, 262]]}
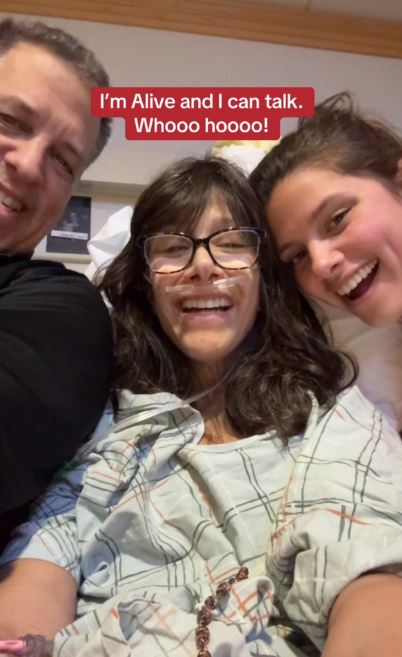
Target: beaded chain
{"points": [[34, 645], [204, 617]]}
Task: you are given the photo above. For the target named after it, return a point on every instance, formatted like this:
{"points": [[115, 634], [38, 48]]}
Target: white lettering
{"points": [[150, 101]]}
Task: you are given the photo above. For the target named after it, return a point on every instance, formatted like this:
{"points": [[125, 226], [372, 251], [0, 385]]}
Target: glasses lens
{"points": [[235, 249], [166, 254]]}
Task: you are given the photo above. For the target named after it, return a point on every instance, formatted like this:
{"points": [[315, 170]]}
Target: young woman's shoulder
{"points": [[353, 425]]}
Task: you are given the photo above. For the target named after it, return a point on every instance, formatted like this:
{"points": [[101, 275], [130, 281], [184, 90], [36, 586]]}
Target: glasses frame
{"points": [[205, 242]]}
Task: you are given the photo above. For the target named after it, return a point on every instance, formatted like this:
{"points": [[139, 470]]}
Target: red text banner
{"points": [[224, 113]]}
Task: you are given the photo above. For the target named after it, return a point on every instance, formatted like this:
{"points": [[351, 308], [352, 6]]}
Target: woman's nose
{"points": [[325, 260], [203, 265]]}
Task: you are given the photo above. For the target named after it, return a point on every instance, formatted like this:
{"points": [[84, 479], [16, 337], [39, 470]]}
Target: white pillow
{"points": [[378, 352], [109, 240]]}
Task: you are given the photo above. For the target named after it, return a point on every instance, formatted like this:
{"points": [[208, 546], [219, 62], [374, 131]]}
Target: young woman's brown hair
{"points": [[338, 137]]}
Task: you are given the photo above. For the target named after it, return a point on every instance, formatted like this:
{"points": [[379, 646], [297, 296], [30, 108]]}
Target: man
{"points": [[55, 336]]}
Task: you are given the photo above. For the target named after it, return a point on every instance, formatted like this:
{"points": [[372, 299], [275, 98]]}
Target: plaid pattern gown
{"points": [[148, 522]]}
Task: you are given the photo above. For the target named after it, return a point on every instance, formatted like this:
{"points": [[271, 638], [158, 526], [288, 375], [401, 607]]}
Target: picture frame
{"points": [[73, 230]]}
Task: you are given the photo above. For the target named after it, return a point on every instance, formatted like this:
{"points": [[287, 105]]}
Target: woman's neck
{"points": [[212, 408], [206, 376], [211, 405]]}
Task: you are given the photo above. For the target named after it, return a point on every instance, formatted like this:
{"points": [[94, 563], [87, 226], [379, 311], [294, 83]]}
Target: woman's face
{"points": [[343, 236], [208, 324]]}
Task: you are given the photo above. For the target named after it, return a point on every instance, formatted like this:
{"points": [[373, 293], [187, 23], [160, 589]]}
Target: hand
{"points": [[365, 619]]}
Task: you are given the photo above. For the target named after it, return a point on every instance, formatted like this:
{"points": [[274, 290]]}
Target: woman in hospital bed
{"points": [[243, 501]]}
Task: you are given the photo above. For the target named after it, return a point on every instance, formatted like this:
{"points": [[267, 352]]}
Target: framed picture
{"points": [[72, 232]]}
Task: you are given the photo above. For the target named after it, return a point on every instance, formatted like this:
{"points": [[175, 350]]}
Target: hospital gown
{"points": [[148, 521]]}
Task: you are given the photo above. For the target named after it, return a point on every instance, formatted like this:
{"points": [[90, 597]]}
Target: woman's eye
{"points": [[297, 258], [178, 248], [231, 245], [337, 219]]}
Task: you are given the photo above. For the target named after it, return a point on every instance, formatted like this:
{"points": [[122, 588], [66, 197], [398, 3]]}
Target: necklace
{"points": [[204, 616]]}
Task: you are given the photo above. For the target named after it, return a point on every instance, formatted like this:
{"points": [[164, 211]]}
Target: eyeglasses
{"points": [[231, 248]]}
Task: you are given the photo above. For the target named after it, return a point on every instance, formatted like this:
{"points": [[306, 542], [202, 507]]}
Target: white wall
{"points": [[144, 57], [141, 57]]}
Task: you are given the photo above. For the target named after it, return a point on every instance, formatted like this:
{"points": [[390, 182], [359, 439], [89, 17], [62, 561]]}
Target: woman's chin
{"points": [[209, 350], [379, 307], [382, 317]]}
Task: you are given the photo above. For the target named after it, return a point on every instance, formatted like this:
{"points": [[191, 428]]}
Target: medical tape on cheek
{"points": [[200, 288]]}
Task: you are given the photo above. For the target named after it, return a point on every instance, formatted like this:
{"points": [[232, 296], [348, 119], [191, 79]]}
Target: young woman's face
{"points": [[343, 236], [207, 324]]}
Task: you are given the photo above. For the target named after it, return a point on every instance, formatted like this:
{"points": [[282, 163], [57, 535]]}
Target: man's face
{"points": [[47, 135]]}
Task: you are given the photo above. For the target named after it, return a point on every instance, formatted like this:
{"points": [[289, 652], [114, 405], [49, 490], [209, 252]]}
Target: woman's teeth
{"points": [[357, 278], [205, 304]]}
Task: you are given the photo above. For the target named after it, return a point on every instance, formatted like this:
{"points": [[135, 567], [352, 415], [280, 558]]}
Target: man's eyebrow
{"points": [[16, 102]]}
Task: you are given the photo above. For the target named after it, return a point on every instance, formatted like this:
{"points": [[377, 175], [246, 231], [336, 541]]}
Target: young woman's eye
{"points": [[337, 219], [297, 258]]}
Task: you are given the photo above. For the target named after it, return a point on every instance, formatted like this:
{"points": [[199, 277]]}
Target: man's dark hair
{"points": [[68, 49]]}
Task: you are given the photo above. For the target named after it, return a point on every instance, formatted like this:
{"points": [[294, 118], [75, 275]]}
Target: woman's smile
{"points": [[342, 235], [209, 325]]}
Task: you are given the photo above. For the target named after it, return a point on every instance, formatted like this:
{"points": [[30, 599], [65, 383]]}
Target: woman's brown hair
{"points": [[284, 359], [338, 137]]}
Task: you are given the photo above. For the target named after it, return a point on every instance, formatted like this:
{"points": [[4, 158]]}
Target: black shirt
{"points": [[55, 360]]}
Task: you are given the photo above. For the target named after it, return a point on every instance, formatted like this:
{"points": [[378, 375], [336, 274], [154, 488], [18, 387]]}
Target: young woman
{"points": [[241, 504], [332, 191]]}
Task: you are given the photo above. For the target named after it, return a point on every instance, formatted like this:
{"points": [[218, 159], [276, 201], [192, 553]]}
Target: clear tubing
{"points": [[220, 283], [172, 406]]}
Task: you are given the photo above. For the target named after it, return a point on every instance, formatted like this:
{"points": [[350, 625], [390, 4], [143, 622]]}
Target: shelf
{"points": [[78, 258], [119, 191]]}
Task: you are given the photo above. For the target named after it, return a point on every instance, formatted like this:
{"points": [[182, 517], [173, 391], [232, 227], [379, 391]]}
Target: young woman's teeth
{"points": [[9, 202], [357, 278], [205, 304]]}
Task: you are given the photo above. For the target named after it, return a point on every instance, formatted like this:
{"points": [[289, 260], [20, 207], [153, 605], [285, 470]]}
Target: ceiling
{"points": [[390, 10], [366, 27]]}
